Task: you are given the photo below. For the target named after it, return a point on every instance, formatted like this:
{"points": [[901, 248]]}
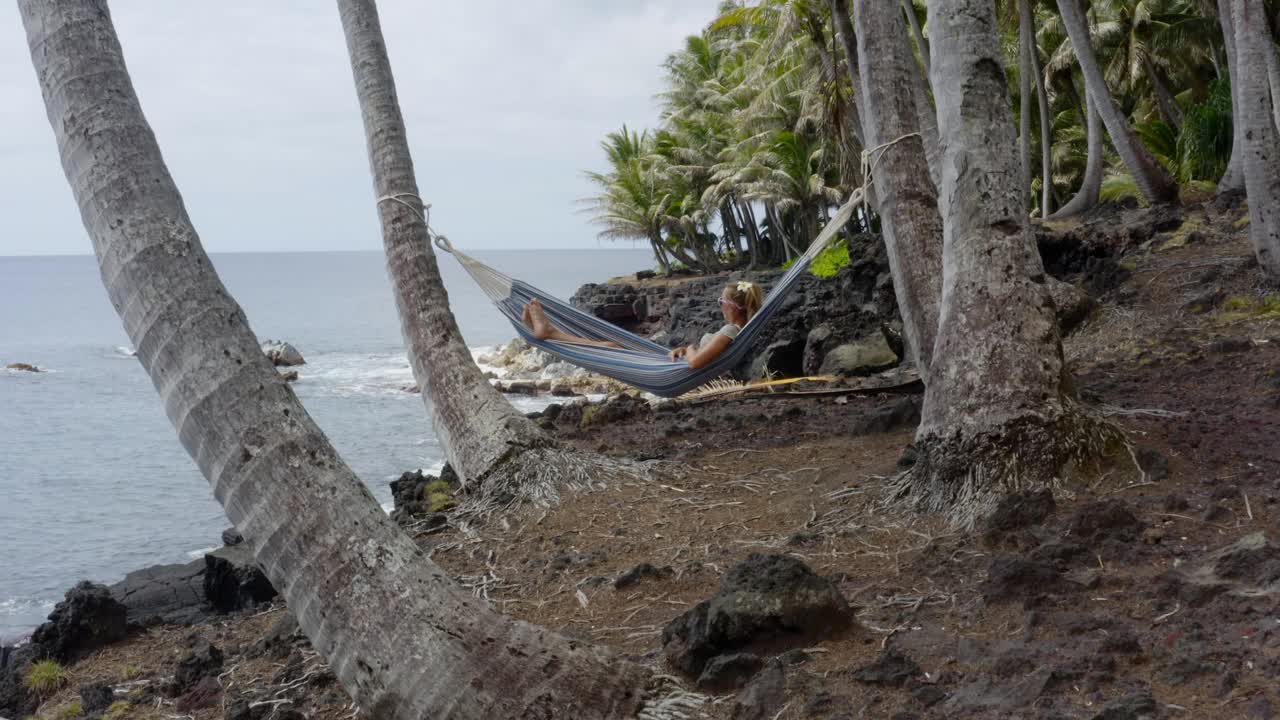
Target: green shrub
{"points": [[118, 710], [45, 677], [830, 261], [439, 496], [130, 672], [69, 711]]}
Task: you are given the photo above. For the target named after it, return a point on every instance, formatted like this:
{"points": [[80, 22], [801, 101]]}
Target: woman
{"points": [[739, 302]]}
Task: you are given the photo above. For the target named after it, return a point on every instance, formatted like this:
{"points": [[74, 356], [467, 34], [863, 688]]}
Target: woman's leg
{"points": [[536, 319]]}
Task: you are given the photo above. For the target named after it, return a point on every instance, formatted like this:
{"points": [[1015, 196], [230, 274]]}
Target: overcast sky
{"points": [[254, 108]]}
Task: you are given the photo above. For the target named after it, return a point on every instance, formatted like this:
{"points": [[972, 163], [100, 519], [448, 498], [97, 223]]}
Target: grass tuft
{"points": [[69, 711], [439, 496], [45, 677], [118, 710]]}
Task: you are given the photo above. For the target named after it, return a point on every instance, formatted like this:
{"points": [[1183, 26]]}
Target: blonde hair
{"points": [[747, 295]]}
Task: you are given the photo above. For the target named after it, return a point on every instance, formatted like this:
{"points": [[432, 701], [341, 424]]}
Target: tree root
{"points": [[538, 476], [666, 699], [965, 476]]}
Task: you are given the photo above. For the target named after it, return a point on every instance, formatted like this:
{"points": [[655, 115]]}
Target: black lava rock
{"points": [[87, 619]]}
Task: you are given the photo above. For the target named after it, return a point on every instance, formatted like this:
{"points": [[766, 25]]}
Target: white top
{"points": [[730, 330]]}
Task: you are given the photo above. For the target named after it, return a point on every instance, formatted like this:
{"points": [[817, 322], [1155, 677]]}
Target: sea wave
{"points": [[197, 554], [32, 609], [123, 352]]}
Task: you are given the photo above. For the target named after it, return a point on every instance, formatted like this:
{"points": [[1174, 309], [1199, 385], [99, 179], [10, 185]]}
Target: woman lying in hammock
{"points": [[738, 303]]}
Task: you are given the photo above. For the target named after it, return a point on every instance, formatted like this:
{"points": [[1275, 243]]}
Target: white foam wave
{"points": [[371, 374], [122, 351], [197, 554]]}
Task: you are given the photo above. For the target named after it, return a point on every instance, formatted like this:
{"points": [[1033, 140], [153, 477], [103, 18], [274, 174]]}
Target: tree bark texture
{"points": [[1155, 184], [1273, 78], [1170, 112], [401, 637], [997, 415], [1232, 179], [1091, 184], [910, 221], [1261, 151]]}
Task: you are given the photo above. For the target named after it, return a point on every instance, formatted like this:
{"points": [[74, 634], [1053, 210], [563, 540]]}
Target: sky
{"points": [[254, 107]]}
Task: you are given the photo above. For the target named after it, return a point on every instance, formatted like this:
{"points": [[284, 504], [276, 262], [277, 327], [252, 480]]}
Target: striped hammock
{"points": [[640, 362]]}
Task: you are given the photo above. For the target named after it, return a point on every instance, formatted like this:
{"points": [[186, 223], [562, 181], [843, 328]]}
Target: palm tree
{"points": [[1154, 182], [1233, 178], [403, 639], [993, 421], [1261, 152], [910, 221], [498, 452]]}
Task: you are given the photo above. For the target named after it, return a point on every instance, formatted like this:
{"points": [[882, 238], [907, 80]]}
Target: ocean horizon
{"points": [[95, 481]]}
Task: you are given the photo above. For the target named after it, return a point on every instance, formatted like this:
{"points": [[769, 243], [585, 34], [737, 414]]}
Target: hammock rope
{"points": [[640, 362]]}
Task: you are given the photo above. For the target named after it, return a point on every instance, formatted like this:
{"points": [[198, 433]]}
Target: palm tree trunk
{"points": [[660, 253], [909, 217], [1262, 146], [1025, 39], [996, 412], [403, 639], [1168, 106], [748, 221], [1155, 184], [927, 118], [1232, 179], [1091, 184], [913, 21], [496, 450], [1046, 127]]}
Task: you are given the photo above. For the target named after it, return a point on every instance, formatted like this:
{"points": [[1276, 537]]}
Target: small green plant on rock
{"points": [[118, 710], [438, 496], [130, 672], [1250, 307], [46, 677]]}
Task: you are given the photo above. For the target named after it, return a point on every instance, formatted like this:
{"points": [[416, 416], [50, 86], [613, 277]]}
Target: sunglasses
{"points": [[730, 303]]}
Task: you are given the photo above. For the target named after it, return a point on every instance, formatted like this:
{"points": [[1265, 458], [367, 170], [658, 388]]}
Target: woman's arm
{"points": [[705, 354]]}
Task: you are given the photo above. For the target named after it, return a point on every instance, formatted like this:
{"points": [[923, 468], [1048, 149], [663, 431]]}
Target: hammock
{"points": [[640, 362]]}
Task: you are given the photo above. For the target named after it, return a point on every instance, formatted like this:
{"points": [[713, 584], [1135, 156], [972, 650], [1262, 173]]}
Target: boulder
{"points": [[95, 698], [87, 619], [232, 536], [784, 358], [282, 353], [15, 700], [729, 672], [164, 593], [233, 580], [868, 356], [763, 698], [1248, 567], [765, 601], [557, 371], [204, 660]]}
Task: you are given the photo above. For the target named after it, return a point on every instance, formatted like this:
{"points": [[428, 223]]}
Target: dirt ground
{"points": [[1075, 615]]}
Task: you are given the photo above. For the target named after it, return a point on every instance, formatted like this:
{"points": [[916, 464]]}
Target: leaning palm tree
{"points": [[911, 224], [403, 639], [498, 452], [1153, 181]]}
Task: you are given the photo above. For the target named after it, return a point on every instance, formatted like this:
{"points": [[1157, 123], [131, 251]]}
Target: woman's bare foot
{"points": [[536, 318]]}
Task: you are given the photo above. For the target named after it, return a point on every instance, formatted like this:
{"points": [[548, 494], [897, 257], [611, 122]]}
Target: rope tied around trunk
{"points": [[424, 214]]}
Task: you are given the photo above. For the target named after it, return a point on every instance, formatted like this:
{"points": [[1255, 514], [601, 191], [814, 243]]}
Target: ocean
{"points": [[93, 481]]}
